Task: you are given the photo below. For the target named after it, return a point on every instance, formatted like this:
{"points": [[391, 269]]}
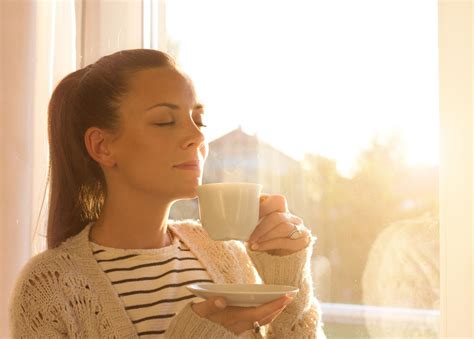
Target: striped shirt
{"points": [[152, 282]]}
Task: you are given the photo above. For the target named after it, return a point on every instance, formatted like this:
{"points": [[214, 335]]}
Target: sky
{"points": [[309, 76]]}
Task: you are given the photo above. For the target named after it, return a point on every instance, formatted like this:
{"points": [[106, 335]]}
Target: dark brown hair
{"points": [[85, 98]]}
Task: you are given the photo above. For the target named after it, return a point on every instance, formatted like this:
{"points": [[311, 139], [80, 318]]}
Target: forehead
{"points": [[146, 87]]}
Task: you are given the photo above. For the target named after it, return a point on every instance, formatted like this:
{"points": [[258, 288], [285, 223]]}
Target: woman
{"points": [[124, 134]]}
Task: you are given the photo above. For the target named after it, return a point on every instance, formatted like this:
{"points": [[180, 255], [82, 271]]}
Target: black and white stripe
{"points": [[152, 283]]}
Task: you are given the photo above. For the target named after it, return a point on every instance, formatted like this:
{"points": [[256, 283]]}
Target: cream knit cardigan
{"points": [[62, 292]]}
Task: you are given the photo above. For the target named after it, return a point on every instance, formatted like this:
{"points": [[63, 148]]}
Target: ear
{"points": [[97, 144]]}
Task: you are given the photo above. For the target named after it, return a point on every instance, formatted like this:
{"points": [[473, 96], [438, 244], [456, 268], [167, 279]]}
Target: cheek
{"points": [[146, 172], [143, 158]]}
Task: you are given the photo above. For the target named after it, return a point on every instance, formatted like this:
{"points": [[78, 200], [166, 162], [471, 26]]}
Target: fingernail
{"points": [[219, 303], [255, 247], [288, 301]]}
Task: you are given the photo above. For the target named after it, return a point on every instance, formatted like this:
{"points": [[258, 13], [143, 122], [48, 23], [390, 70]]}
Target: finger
{"points": [[265, 310], [240, 319], [242, 326], [283, 243], [270, 221], [209, 306], [280, 231], [273, 203], [251, 314], [267, 320]]}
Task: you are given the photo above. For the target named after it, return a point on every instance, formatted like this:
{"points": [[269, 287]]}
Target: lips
{"points": [[194, 165], [192, 162]]}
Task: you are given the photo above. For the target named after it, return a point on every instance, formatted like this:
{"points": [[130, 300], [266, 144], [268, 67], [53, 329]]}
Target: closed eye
{"points": [[198, 120], [165, 123], [161, 124]]}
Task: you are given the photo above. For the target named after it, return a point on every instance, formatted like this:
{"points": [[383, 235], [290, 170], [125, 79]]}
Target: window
{"points": [[335, 105]]}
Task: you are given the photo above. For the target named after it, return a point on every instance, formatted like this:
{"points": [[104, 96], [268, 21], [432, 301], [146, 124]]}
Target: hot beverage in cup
{"points": [[229, 211]]}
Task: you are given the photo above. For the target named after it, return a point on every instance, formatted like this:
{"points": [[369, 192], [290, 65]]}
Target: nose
{"points": [[194, 137]]}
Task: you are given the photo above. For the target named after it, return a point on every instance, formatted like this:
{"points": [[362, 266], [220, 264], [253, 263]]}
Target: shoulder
{"points": [[39, 294], [35, 287], [40, 271], [406, 236], [40, 263], [44, 273], [404, 258], [58, 259]]}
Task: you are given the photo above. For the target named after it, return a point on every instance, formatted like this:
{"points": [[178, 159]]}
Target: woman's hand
{"points": [[240, 319], [276, 224]]}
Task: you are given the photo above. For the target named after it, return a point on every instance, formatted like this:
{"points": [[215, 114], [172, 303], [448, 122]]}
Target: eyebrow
{"points": [[173, 106]]}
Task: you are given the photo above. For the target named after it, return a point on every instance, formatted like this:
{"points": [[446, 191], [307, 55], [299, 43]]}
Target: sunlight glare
{"points": [[319, 77]]}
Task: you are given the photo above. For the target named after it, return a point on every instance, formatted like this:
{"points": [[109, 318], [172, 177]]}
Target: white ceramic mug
{"points": [[229, 211]]}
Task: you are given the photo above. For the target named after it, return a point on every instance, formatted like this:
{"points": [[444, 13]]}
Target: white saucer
{"points": [[242, 294]]}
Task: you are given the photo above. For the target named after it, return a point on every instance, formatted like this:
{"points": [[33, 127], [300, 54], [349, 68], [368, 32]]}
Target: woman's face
{"points": [[160, 148]]}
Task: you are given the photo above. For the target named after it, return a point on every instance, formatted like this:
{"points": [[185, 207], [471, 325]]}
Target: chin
{"points": [[189, 192]]}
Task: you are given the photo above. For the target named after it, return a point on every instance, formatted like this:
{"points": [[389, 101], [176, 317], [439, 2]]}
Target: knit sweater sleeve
{"points": [[34, 312], [301, 319]]}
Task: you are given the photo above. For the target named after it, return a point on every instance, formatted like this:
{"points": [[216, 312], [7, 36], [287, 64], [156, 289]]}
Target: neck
{"points": [[132, 222]]}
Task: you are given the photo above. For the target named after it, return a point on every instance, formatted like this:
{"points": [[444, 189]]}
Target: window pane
{"points": [[333, 104]]}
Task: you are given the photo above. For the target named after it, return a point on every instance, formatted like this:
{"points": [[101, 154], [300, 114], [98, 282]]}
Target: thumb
{"points": [[209, 306]]}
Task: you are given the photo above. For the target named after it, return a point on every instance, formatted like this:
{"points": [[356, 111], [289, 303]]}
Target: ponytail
{"points": [[72, 202]]}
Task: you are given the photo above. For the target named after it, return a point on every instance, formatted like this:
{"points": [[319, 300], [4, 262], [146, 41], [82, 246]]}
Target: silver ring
{"points": [[296, 233], [256, 327]]}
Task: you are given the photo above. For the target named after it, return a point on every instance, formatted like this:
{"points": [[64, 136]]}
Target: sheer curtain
{"points": [[38, 47], [41, 42]]}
